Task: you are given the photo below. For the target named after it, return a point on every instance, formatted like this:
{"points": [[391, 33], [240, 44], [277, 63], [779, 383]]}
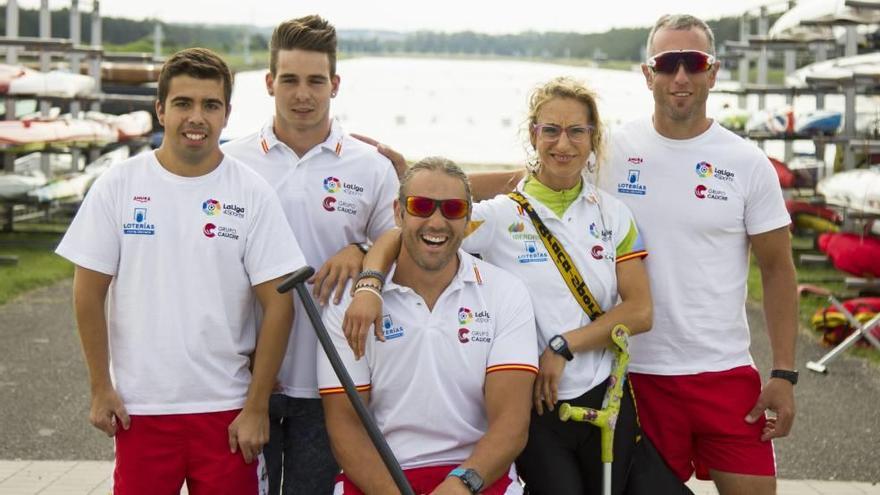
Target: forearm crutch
{"points": [[859, 329], [606, 418], [297, 279]]}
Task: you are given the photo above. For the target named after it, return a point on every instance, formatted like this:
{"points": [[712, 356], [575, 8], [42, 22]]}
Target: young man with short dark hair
{"points": [[184, 241], [337, 193]]}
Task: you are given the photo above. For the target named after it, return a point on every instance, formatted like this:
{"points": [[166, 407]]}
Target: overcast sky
{"points": [[490, 16]]}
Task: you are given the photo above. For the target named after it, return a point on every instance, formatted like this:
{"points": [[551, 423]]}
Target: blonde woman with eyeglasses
{"points": [[601, 241]]}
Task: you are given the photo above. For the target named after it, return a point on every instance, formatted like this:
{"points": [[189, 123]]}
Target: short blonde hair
{"points": [[566, 87]]}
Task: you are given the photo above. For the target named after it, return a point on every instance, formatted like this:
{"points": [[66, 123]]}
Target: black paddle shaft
{"points": [[297, 279]]}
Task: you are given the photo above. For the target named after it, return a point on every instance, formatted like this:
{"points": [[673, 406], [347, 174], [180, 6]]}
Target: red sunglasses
{"points": [[453, 209], [693, 60]]}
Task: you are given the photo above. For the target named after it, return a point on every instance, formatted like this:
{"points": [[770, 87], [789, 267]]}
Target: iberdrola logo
{"points": [[704, 169]]}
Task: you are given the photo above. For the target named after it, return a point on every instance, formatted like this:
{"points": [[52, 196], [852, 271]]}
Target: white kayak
{"points": [[73, 186], [17, 185], [53, 83], [858, 190]]}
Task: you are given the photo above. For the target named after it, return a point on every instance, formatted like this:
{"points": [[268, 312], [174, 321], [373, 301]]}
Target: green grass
{"points": [[37, 265], [823, 276]]}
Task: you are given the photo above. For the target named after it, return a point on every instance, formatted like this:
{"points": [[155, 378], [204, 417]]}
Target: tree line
{"points": [[120, 34]]}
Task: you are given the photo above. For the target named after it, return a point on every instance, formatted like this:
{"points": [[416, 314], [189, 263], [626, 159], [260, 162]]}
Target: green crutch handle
{"points": [[606, 418]]}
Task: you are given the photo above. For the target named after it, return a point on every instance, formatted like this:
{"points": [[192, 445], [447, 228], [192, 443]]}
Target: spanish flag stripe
{"points": [[632, 255], [512, 367], [341, 390]]}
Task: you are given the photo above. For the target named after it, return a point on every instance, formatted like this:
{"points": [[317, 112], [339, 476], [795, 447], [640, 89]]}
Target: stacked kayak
{"points": [[17, 80], [812, 217], [127, 126], [73, 186], [857, 190], [95, 129], [855, 254]]}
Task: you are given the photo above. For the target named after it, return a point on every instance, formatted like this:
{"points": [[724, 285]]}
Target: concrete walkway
{"points": [[93, 478]]}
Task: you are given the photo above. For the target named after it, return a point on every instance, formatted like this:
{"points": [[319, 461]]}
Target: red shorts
{"points": [[423, 480], [697, 422], [158, 453]]}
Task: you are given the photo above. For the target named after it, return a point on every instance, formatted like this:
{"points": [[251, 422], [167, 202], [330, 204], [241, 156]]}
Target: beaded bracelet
{"points": [[371, 289]]}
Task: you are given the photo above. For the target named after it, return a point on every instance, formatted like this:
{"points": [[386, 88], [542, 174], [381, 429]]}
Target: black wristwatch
{"points": [[559, 345], [788, 375], [362, 246], [472, 481]]}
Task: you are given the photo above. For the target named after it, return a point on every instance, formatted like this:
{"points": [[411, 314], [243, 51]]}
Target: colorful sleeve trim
{"points": [[512, 367], [632, 255], [341, 390]]}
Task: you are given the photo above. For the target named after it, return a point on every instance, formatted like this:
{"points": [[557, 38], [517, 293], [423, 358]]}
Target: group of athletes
{"points": [[205, 375]]}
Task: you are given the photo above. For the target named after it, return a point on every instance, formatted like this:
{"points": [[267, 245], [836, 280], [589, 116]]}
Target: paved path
{"points": [[93, 478], [44, 406]]}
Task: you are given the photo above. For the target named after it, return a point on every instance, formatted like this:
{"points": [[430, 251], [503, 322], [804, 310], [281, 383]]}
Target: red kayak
{"points": [[858, 255]]}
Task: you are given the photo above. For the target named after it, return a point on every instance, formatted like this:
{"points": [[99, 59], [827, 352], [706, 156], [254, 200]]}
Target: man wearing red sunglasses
{"points": [[450, 379], [702, 196]]}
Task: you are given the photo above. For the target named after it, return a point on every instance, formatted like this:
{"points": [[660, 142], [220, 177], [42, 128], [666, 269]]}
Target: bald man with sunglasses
{"points": [[702, 197], [450, 379]]}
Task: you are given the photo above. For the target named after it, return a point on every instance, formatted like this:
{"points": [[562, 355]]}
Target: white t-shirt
{"points": [[697, 201], [338, 193], [596, 230], [184, 253], [426, 380]]}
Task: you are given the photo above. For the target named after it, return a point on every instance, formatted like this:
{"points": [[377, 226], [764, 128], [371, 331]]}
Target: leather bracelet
{"points": [[371, 274]]}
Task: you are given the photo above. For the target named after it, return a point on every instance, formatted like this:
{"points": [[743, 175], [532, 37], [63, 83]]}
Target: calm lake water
{"points": [[471, 111]]}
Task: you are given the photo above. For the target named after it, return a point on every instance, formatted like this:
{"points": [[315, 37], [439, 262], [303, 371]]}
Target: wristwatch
{"points": [[472, 481], [362, 246], [788, 375], [559, 345]]}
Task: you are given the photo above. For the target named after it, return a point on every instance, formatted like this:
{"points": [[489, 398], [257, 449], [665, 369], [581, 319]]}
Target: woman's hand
{"points": [[550, 368]]}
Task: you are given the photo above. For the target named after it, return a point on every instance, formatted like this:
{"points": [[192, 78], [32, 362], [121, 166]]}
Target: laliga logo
{"points": [[462, 335], [211, 207], [329, 201], [332, 185], [209, 230], [465, 316], [516, 227], [700, 191], [597, 251], [704, 169]]}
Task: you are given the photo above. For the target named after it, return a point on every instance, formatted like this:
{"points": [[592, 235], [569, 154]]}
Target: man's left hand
{"points": [[249, 431], [451, 486], [777, 396], [344, 265]]}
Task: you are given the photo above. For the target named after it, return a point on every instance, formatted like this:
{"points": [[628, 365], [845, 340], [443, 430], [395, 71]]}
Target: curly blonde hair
{"points": [[567, 87]]}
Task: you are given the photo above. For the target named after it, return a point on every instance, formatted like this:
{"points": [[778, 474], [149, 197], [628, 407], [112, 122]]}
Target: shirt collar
{"points": [[589, 193], [468, 272], [333, 143]]}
